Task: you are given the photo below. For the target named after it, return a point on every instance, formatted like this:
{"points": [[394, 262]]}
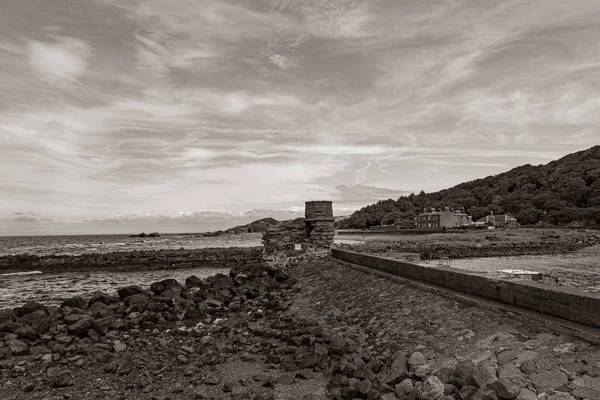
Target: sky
{"points": [[192, 115]]}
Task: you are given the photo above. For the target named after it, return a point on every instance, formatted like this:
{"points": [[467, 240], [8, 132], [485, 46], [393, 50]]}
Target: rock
{"points": [[337, 345], [161, 286], [103, 298], [480, 376], [467, 392], [560, 396], [201, 394], [286, 380], [74, 302], [526, 394], [100, 310], [128, 291], [139, 298], [7, 315], [364, 386], [62, 379], [192, 312], [415, 360], [211, 379], [81, 327], [280, 275], [504, 389], [398, 370], [548, 380], [75, 317], [508, 371], [403, 388], [484, 394], [431, 389], [30, 307], [388, 396], [17, 347], [119, 346], [26, 332], [221, 281], [195, 282], [39, 320]]}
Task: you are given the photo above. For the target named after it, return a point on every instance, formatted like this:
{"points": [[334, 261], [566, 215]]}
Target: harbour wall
{"points": [[562, 302]]}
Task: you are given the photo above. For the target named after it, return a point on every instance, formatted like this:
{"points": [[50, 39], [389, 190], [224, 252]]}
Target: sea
{"points": [[51, 288]]}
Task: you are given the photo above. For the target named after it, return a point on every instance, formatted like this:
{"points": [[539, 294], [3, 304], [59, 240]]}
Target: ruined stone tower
{"points": [[310, 235], [318, 222]]}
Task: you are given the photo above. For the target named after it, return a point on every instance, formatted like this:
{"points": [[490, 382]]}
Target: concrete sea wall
{"points": [[556, 301]]}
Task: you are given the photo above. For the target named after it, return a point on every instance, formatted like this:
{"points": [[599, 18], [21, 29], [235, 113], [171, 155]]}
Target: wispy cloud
{"points": [[63, 60], [151, 107]]}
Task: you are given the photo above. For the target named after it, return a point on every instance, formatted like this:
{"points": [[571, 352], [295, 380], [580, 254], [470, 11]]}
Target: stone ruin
{"points": [[310, 236]]}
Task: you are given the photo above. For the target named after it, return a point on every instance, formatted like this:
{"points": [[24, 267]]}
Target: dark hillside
{"points": [[565, 191]]}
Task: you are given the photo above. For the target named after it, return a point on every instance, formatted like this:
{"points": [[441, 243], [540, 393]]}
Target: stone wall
{"points": [[303, 237], [135, 260], [562, 302], [318, 210]]}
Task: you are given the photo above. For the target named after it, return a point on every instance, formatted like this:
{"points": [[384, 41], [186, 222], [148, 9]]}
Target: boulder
{"points": [[138, 298], [103, 298], [30, 307], [549, 380], [161, 286], [81, 327], [26, 332], [39, 320], [480, 376], [7, 315], [337, 345], [129, 291], [72, 318], [17, 347], [280, 275], [62, 379], [398, 370], [195, 282], [431, 389], [415, 360], [100, 310], [74, 302], [504, 389], [221, 281], [403, 388]]}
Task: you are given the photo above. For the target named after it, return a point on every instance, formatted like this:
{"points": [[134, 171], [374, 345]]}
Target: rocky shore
{"points": [[228, 257], [318, 330], [486, 248]]}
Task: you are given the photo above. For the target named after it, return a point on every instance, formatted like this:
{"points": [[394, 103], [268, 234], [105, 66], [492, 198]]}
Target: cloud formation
{"points": [[153, 107]]}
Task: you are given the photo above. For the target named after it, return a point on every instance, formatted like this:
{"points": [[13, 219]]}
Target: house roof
{"points": [[497, 218]]}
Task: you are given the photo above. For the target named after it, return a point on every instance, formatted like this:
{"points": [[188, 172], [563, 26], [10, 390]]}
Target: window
{"points": [[429, 225]]}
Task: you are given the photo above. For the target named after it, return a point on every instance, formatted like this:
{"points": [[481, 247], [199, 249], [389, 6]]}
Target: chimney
{"points": [[447, 209], [432, 209]]}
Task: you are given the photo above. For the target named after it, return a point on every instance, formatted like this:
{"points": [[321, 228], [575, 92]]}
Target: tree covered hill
{"points": [[561, 192]]}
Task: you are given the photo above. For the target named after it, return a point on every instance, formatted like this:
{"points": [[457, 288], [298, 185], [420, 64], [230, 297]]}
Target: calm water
{"points": [[52, 288]]}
